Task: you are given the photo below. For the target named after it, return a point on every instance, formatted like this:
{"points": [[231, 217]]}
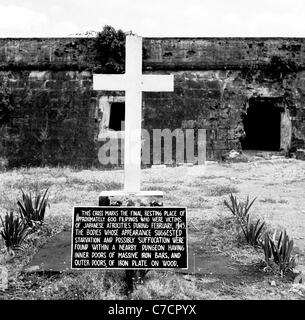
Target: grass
{"points": [[200, 182], [218, 236], [219, 191], [93, 285], [160, 186], [267, 200], [169, 286], [272, 201]]}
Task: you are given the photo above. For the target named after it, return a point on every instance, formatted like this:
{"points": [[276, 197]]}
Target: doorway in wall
{"points": [[262, 125]]}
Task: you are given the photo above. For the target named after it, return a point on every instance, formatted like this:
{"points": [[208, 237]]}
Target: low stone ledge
{"points": [[136, 199]]}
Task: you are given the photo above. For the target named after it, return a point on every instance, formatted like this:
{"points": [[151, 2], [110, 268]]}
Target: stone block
{"points": [[88, 84], [300, 154], [86, 75], [132, 199], [13, 83], [158, 166], [53, 85], [40, 75], [71, 85], [37, 84], [54, 256], [71, 75], [213, 85]]}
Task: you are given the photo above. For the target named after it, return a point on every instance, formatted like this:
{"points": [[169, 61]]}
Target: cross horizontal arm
{"points": [[151, 82], [116, 82], [133, 82]]}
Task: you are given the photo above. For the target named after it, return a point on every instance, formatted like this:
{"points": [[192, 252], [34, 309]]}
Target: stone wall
{"points": [[53, 120], [55, 117], [161, 53]]}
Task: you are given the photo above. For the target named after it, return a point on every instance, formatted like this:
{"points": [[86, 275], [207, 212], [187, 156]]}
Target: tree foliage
{"points": [[110, 50]]}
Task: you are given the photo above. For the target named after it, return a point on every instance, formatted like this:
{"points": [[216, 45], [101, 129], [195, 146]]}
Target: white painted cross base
{"points": [[135, 199]]}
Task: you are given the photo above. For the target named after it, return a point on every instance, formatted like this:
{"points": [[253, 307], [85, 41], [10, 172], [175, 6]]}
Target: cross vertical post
{"points": [[133, 115], [133, 82]]}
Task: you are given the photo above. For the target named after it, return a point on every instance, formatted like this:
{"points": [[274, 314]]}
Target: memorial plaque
{"points": [[129, 238]]}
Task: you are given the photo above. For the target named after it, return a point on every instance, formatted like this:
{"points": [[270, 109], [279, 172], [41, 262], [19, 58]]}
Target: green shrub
{"points": [[239, 209], [252, 230], [14, 230], [33, 209], [110, 50], [280, 251]]}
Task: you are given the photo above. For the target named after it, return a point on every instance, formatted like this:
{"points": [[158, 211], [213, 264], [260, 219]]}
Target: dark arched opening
{"points": [[262, 125]]}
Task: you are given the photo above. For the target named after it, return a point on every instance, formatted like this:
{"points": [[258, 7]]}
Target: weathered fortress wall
{"points": [[54, 115]]}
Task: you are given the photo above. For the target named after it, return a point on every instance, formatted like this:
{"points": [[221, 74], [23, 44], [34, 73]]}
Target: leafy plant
{"points": [[253, 232], [33, 209], [280, 251], [109, 47], [239, 209], [110, 50], [14, 230]]}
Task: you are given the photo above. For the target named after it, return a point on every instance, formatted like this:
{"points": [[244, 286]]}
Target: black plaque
{"points": [[129, 238]]}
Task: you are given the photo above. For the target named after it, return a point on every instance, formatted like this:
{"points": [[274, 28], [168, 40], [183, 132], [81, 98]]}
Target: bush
{"points": [[280, 251], [239, 209], [252, 230], [33, 209], [110, 50], [14, 231]]}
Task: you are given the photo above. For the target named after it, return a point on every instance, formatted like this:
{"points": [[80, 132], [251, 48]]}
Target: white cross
{"points": [[133, 82]]}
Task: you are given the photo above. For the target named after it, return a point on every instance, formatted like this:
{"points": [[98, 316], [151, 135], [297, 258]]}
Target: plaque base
{"points": [[136, 199]]}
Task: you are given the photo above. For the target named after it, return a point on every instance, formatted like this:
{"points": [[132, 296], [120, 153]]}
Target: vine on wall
{"points": [[6, 103]]}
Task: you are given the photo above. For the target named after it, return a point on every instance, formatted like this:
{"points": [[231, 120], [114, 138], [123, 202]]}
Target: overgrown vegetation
{"points": [[109, 46], [6, 103], [252, 230], [110, 50], [16, 227], [212, 233], [33, 209], [14, 231], [240, 210], [280, 250]]}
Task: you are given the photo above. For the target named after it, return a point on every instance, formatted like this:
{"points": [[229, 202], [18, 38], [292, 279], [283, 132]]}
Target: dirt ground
{"points": [[230, 269], [278, 184]]}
